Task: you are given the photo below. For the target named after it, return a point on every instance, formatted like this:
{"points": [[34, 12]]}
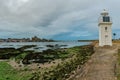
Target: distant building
{"points": [[15, 40], [105, 31], [35, 39]]}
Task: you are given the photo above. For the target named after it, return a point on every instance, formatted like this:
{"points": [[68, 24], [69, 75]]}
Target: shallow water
{"points": [[40, 46]]}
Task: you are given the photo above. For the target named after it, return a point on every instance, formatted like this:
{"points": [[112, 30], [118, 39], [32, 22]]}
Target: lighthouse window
{"points": [[106, 19], [105, 28], [106, 36]]}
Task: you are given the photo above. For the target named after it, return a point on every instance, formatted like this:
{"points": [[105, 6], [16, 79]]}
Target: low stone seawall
{"points": [[117, 70]]}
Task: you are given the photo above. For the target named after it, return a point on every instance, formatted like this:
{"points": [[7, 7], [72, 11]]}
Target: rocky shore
{"points": [[46, 65]]}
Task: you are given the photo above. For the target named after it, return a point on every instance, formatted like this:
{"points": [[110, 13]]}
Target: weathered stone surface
{"points": [[101, 66]]}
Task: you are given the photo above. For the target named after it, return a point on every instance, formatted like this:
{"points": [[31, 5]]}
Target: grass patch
{"points": [[8, 73], [20, 57]]}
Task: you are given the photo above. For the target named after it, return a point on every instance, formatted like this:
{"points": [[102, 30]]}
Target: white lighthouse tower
{"points": [[105, 31]]}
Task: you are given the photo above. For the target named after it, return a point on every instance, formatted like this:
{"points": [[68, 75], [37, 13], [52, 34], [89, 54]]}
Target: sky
{"points": [[56, 19]]}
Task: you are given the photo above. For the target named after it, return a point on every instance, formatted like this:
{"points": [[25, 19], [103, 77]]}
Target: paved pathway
{"points": [[101, 66]]}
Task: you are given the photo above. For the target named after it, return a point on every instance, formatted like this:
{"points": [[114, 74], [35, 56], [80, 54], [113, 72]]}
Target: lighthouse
{"points": [[105, 31]]}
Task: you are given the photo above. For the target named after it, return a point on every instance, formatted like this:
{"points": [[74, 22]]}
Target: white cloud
{"points": [[53, 17], [80, 34]]}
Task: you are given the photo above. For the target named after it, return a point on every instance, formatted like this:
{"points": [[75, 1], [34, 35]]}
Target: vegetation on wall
{"points": [[63, 70]]}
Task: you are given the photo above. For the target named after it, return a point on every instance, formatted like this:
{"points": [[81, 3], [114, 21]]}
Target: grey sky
{"points": [[76, 19]]}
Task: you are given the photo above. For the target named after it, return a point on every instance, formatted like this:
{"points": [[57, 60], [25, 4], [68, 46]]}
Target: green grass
{"points": [[20, 57], [8, 73]]}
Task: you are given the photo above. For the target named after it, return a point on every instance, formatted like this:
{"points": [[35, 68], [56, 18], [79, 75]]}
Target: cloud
{"points": [[80, 33], [49, 18]]}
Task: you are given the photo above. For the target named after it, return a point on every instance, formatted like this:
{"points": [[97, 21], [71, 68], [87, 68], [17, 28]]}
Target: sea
{"points": [[40, 46]]}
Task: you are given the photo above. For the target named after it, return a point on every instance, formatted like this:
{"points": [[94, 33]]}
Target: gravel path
{"points": [[101, 66]]}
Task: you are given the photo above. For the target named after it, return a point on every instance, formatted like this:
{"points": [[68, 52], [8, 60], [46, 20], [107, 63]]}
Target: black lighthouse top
{"points": [[105, 16], [104, 19]]}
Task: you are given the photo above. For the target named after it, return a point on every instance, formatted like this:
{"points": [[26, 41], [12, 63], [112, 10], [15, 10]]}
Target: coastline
{"points": [[67, 56]]}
